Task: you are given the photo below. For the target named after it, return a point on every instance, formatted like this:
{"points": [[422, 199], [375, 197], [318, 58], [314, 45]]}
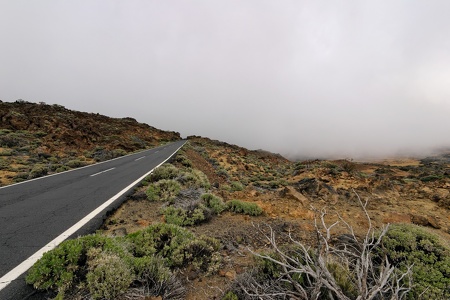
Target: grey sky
{"points": [[313, 78]]}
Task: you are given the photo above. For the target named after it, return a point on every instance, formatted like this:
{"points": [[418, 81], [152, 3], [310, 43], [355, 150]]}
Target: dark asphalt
{"points": [[35, 212]]}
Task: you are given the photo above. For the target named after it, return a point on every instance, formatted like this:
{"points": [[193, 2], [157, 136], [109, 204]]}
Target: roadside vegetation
{"points": [[142, 263], [228, 223], [148, 262]]}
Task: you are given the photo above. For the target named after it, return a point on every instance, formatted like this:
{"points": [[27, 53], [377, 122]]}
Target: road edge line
{"points": [[26, 264]]}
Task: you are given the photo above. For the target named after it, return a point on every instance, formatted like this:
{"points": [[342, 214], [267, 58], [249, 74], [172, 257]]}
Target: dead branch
{"points": [[313, 265]]}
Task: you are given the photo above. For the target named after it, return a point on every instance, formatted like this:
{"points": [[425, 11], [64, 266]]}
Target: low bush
{"points": [[213, 202], [183, 160], [230, 296], [163, 190], [118, 153], [222, 172], [175, 245], [166, 171], [183, 217], [107, 266], [22, 176], [192, 178], [246, 208], [108, 276], [59, 268], [75, 163], [150, 269], [406, 244], [236, 186], [61, 169], [38, 171]]}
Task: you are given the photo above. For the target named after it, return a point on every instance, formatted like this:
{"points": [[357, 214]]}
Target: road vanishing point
{"points": [[37, 215]]}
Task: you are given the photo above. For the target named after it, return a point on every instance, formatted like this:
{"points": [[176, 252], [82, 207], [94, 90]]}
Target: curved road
{"points": [[36, 212]]}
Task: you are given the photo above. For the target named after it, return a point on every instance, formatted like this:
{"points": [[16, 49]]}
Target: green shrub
{"points": [[222, 172], [230, 296], [236, 186], [159, 239], [60, 267], [183, 160], [194, 179], [202, 253], [38, 171], [150, 269], [75, 163], [182, 217], [166, 171], [246, 208], [118, 153], [61, 169], [176, 246], [56, 269], [163, 190], [344, 277], [108, 276], [20, 177], [108, 266], [215, 203], [409, 244]]}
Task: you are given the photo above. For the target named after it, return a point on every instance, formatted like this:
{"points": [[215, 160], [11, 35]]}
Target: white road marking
{"points": [[139, 158], [102, 172], [26, 264], [158, 151]]}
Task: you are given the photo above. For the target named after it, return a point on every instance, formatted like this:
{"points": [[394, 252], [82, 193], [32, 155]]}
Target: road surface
{"points": [[37, 214]]}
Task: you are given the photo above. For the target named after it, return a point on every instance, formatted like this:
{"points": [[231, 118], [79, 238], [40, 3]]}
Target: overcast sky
{"points": [[308, 78]]}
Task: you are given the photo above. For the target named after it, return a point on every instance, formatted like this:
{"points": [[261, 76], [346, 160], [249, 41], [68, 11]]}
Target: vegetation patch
{"points": [[163, 190], [107, 267], [236, 186], [186, 217], [166, 171], [75, 163], [246, 208], [193, 178], [405, 245], [213, 202], [175, 245]]}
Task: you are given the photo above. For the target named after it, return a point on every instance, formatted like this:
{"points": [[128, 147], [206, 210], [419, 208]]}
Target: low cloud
{"points": [[305, 79]]}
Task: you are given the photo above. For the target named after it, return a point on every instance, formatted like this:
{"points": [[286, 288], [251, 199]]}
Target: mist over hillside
{"points": [[304, 79]]}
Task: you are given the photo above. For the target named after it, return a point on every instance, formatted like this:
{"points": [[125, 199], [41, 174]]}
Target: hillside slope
{"points": [[38, 139]]}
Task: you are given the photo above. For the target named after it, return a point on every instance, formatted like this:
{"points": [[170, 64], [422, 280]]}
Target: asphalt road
{"points": [[35, 212]]}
